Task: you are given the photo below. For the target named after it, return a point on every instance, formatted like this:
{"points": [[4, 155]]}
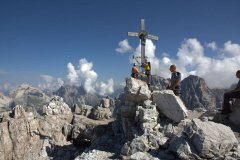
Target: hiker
{"points": [[175, 80], [134, 71], [147, 67], [235, 93]]}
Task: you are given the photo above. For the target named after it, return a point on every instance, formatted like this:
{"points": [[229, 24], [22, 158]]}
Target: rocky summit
{"points": [[141, 123]]}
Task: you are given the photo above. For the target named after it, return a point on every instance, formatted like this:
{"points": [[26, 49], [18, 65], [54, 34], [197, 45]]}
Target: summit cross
{"points": [[143, 35]]}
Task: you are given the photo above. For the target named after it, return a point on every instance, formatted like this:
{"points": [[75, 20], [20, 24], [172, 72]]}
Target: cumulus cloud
{"points": [[50, 83], [106, 88], [72, 74], [124, 47], [88, 77], [191, 59], [212, 46], [218, 73], [231, 49]]}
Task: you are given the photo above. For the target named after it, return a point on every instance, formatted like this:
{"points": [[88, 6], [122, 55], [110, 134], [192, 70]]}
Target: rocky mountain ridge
{"points": [[145, 125]]}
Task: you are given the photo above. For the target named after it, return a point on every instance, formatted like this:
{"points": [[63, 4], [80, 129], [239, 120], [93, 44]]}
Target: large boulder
{"points": [[210, 139], [182, 147], [170, 105], [136, 90]]}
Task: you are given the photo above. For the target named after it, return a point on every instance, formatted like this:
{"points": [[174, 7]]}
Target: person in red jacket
{"points": [[134, 71]]}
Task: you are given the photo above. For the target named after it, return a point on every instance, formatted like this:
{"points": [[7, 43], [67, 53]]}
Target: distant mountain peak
{"points": [[196, 93]]}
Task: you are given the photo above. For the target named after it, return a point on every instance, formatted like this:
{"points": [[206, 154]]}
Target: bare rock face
{"points": [[29, 97], [56, 107], [142, 143], [18, 112], [105, 103], [19, 133], [170, 105], [196, 94], [100, 113], [210, 139], [14, 139], [83, 109], [84, 130], [77, 95], [6, 146], [147, 115], [136, 90]]}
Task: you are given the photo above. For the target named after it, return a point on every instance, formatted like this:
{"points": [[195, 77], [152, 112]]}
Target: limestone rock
{"points": [[136, 90], [19, 133], [100, 113], [57, 107], [142, 156], [143, 143], [138, 144], [95, 155], [83, 109], [210, 139], [196, 94], [147, 115], [18, 112], [105, 103], [31, 98], [6, 145], [182, 147], [83, 128], [170, 105]]}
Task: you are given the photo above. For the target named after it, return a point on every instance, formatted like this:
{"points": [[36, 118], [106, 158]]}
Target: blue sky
{"points": [[42, 37]]}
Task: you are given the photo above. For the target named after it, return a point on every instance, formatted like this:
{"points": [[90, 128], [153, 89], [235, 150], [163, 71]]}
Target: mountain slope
{"points": [[196, 94]]}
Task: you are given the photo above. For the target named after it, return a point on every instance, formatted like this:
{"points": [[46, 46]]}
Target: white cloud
{"points": [[218, 73], [72, 74], [50, 83], [191, 59], [212, 46], [47, 78], [124, 47], [164, 54], [231, 49], [106, 88], [88, 77]]}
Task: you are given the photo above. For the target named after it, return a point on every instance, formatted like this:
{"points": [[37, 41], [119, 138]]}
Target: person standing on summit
{"points": [[147, 68], [235, 93], [175, 80]]}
